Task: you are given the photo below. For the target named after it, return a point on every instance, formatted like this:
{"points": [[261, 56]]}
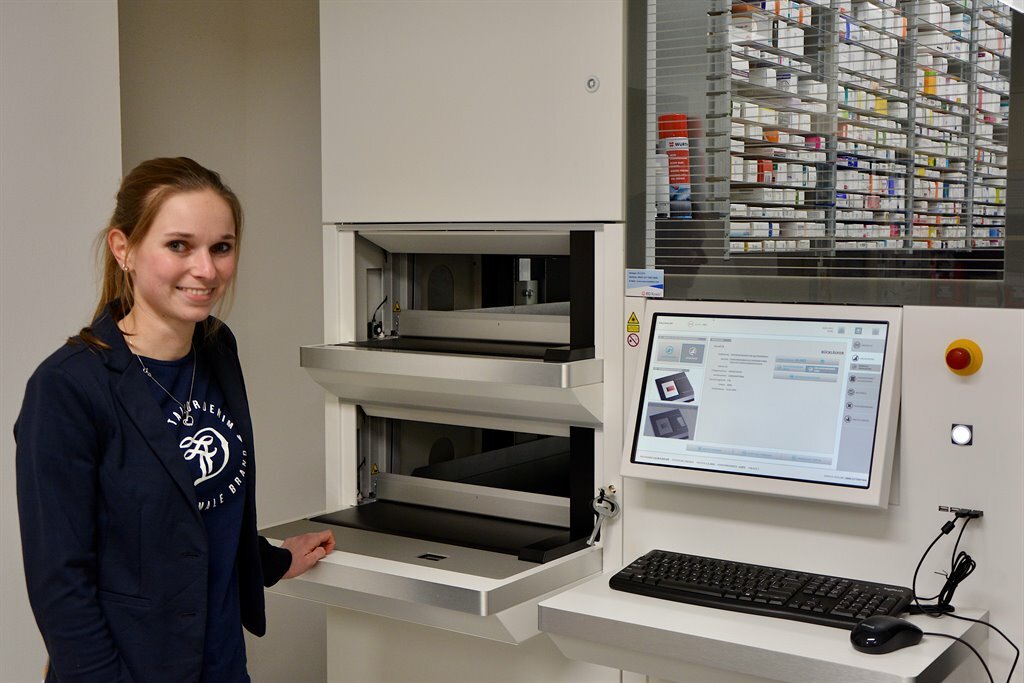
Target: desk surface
{"points": [[592, 622]]}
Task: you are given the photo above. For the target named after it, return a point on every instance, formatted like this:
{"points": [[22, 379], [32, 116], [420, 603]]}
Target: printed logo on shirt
{"points": [[211, 448], [216, 461]]}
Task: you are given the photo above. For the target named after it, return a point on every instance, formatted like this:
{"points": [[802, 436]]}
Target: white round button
{"points": [[961, 434]]}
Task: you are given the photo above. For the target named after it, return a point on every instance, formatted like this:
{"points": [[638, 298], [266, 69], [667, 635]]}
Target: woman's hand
{"points": [[307, 550]]}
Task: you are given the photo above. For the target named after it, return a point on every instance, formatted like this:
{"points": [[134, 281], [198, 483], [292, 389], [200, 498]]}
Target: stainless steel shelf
{"points": [[565, 393], [477, 592]]}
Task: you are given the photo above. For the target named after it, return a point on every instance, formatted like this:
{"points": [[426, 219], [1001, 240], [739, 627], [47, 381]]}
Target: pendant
{"points": [[187, 420]]}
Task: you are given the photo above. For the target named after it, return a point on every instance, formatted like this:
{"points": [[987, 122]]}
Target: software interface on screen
{"points": [[784, 398]]}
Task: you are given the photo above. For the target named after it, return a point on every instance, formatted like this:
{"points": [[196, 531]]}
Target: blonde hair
{"points": [[142, 194]]}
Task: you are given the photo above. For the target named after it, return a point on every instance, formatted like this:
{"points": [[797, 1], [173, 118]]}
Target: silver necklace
{"points": [[186, 408]]}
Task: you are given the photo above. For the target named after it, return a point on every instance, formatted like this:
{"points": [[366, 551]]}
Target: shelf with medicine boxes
{"points": [[863, 129], [956, 62], [995, 113], [855, 154], [777, 145], [993, 88], [880, 217], [893, 26], [942, 91], [937, 142], [956, 214], [947, 179], [889, 102], [991, 146], [995, 49], [946, 29], [958, 5], [881, 115], [887, 149], [955, 110], [992, 69], [989, 174], [856, 198], [777, 95], [866, 118], [982, 176], [871, 168], [940, 100], [793, 14], [852, 76], [1000, 24], [941, 122], [800, 143], [799, 67], [882, 4], [884, 101], [859, 52], [994, 11]]}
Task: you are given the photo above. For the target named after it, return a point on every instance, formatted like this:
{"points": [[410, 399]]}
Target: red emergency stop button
{"points": [[958, 358], [964, 357]]}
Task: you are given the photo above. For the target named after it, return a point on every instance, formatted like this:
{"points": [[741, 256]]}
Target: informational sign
{"points": [[645, 282]]}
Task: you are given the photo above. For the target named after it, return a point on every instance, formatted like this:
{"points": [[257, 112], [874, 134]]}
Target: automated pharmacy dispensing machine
{"points": [[465, 419]]}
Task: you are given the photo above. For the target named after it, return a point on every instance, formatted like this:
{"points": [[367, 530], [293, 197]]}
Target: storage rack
{"points": [[872, 129]]}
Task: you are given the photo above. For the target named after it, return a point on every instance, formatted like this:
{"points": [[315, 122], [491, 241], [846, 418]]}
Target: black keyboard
{"points": [[768, 591]]}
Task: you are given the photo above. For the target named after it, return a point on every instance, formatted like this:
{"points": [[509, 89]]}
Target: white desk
{"points": [[675, 641]]}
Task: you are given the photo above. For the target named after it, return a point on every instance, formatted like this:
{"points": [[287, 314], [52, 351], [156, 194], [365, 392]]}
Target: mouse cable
{"points": [[962, 565], [1016, 650], [976, 653]]}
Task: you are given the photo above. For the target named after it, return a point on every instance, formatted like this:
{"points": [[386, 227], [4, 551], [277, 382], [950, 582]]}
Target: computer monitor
{"points": [[788, 400]]}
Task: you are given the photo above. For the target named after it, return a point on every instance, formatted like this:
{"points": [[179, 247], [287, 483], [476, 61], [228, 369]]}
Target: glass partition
{"points": [[830, 150]]}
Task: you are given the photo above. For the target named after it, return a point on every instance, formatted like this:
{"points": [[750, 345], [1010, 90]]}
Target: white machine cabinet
{"points": [[454, 129], [393, 397], [455, 111]]}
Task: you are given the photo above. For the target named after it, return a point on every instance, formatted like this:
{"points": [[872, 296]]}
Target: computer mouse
{"points": [[880, 634]]}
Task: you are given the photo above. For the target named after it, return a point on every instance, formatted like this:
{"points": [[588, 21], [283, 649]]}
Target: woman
{"points": [[136, 477]]}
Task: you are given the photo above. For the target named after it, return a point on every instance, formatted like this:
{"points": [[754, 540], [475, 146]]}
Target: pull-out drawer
{"points": [[529, 388], [469, 590]]}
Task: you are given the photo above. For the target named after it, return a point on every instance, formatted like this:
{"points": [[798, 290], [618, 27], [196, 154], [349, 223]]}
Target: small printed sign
{"points": [[645, 282], [633, 339], [633, 324]]}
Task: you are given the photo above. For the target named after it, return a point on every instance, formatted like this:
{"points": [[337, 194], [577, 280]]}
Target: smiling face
{"points": [[183, 265]]}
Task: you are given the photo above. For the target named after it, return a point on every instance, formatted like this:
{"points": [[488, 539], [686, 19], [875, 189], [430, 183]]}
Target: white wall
{"points": [[235, 85], [59, 168]]}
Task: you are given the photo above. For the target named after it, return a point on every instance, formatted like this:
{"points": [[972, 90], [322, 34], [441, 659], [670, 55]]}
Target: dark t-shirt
{"points": [[213, 451]]}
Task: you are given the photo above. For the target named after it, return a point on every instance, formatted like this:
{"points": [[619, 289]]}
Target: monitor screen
{"points": [[790, 400]]}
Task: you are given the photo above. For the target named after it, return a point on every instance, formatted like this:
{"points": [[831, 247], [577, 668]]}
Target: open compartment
{"points": [[468, 321], [457, 525]]}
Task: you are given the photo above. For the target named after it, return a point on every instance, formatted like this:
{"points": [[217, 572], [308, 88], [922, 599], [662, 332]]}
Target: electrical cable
{"points": [[946, 528], [374, 329], [976, 653], [377, 310], [962, 565], [1016, 657]]}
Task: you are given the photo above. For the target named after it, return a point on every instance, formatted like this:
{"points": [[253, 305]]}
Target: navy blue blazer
{"points": [[114, 547]]}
